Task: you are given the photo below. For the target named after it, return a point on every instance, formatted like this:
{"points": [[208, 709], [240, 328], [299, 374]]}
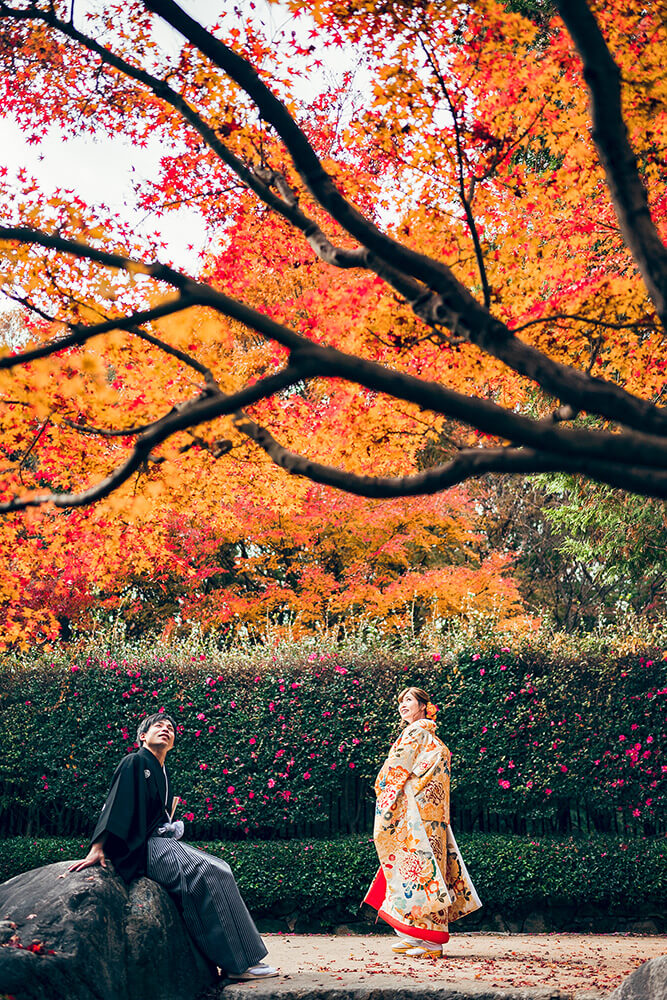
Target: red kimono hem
{"points": [[375, 898]]}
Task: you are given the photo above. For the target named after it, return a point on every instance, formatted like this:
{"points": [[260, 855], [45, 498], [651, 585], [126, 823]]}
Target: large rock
{"points": [[111, 941], [648, 982]]}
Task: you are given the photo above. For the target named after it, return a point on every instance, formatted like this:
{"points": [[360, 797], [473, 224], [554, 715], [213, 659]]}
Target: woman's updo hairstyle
{"points": [[421, 697]]}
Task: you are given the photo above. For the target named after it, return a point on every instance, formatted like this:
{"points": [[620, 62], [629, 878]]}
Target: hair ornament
{"points": [[431, 710]]}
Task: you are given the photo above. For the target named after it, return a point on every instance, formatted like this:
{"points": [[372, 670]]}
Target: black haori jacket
{"points": [[134, 809]]}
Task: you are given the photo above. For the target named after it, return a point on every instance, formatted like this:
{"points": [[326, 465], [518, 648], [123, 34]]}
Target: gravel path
{"points": [[530, 965]]}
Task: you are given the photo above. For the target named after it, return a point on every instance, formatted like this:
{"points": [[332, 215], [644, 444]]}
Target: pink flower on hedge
{"points": [[252, 740], [189, 816], [251, 795], [200, 715], [270, 783], [74, 669], [636, 812], [503, 782], [476, 656], [621, 738], [482, 672], [436, 657], [351, 764], [203, 767], [231, 790], [306, 775], [548, 791], [563, 768], [341, 670]]}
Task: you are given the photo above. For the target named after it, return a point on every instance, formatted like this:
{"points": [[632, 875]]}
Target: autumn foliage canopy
{"points": [[436, 251]]}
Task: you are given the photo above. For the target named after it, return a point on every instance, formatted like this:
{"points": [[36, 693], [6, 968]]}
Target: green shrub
{"points": [[543, 736], [317, 877]]}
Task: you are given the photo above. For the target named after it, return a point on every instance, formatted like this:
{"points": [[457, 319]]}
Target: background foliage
{"points": [[466, 137], [547, 735], [323, 881]]}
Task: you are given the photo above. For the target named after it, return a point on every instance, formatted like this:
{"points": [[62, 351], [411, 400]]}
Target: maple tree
{"points": [[516, 258], [435, 276], [311, 559]]}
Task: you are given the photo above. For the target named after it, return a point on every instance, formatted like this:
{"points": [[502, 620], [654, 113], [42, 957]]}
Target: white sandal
{"points": [[423, 951], [259, 971], [402, 946]]}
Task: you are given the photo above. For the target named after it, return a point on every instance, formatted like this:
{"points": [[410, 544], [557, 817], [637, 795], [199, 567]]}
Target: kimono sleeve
{"points": [[398, 767], [123, 819]]}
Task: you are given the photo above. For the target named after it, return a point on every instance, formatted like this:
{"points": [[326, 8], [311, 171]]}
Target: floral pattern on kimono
{"points": [[422, 884]]}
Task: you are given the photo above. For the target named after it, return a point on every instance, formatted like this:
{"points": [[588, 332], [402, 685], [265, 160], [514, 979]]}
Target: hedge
{"points": [[544, 737], [326, 880]]}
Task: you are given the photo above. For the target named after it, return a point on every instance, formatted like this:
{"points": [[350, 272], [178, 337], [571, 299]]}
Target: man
{"points": [[135, 831]]}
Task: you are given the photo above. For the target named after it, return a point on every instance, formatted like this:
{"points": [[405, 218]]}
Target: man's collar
{"points": [[153, 755]]}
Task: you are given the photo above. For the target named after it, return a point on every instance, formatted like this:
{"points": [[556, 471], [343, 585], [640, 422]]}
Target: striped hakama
{"points": [[205, 891]]}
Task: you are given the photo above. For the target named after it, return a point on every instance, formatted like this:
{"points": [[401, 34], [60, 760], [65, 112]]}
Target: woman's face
{"points": [[410, 709]]}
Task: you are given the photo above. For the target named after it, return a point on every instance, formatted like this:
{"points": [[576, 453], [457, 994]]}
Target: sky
{"points": [[105, 169]]}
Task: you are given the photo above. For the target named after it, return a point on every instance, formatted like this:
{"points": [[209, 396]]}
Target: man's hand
{"points": [[95, 856]]}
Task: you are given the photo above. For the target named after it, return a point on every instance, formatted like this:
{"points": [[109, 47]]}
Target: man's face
{"points": [[159, 736]]}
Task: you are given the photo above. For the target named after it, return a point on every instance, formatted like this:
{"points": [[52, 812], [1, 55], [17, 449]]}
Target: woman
{"points": [[422, 884]]}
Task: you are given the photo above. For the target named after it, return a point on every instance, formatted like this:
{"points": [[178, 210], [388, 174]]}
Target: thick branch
{"points": [[616, 154], [486, 416], [444, 300], [468, 464], [81, 334], [617, 404]]}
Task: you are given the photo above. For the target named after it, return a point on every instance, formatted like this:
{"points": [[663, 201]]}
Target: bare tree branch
{"points": [[591, 320], [202, 409], [468, 464], [465, 200], [634, 456], [83, 333], [616, 154], [444, 300], [485, 415]]}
